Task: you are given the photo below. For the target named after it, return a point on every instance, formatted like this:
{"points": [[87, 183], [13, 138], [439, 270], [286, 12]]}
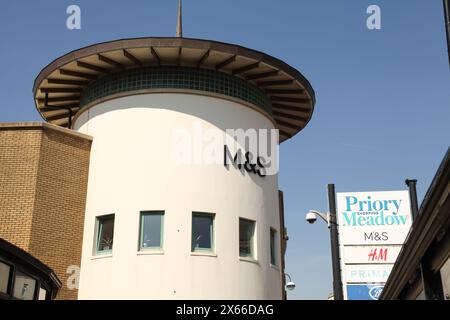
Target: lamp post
{"points": [[330, 219]]}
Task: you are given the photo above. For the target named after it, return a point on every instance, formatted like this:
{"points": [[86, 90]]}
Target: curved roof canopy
{"points": [[58, 87], [15, 256]]}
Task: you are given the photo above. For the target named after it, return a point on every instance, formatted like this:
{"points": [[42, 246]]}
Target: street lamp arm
{"points": [[324, 216], [288, 276]]}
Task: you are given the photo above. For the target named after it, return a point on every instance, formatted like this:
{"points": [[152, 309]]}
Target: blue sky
{"points": [[383, 96]]}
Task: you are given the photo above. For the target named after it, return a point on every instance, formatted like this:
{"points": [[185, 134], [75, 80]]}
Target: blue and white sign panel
{"points": [[372, 228], [364, 292]]}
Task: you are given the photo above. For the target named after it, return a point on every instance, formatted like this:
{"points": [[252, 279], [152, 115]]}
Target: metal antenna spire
{"points": [[180, 21]]}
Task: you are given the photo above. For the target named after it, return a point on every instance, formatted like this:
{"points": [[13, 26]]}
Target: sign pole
{"points": [[337, 280], [411, 183]]}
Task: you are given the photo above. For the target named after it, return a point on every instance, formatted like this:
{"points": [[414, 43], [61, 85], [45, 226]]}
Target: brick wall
{"points": [[43, 184]]}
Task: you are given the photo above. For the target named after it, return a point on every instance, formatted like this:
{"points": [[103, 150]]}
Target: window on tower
{"points": [[104, 234], [246, 238], [151, 230], [273, 245], [202, 232]]}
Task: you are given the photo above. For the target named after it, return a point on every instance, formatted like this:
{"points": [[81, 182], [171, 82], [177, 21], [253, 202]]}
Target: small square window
{"points": [[104, 234], [202, 232], [246, 238], [151, 230]]}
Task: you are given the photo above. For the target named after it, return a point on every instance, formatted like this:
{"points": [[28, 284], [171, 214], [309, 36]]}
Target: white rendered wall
{"points": [[131, 169]]}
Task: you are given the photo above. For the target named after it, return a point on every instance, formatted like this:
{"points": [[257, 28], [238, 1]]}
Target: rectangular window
{"points": [[273, 247], [202, 232], [246, 235], [5, 271], [151, 230], [105, 234], [42, 294], [24, 287], [445, 276]]}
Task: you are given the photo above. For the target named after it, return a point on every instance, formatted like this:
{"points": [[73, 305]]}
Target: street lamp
{"points": [[290, 285], [311, 217], [330, 219]]}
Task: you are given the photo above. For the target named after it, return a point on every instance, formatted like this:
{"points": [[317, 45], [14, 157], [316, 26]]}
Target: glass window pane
{"points": [[202, 232], [273, 256], [151, 230], [4, 277], [42, 294], [105, 234], [246, 231], [421, 296], [445, 276], [24, 287]]}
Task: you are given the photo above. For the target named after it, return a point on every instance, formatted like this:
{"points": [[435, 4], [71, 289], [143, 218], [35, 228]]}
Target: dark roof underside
{"points": [[291, 96]]}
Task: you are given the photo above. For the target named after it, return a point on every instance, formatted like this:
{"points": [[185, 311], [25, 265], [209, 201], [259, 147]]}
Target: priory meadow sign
{"points": [[372, 229]]}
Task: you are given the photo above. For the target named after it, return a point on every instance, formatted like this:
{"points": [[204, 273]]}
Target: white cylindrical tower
{"points": [[168, 213]]}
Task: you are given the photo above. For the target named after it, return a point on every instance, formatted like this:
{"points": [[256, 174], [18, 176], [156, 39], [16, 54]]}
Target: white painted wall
{"points": [[131, 169]]}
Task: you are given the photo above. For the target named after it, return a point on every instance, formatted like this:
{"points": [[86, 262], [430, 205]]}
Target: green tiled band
{"points": [[175, 78]]}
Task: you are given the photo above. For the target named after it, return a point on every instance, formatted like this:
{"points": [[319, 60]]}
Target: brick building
{"points": [[43, 182]]}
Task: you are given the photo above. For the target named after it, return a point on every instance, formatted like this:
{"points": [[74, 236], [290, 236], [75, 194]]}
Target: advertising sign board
{"points": [[372, 228]]}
